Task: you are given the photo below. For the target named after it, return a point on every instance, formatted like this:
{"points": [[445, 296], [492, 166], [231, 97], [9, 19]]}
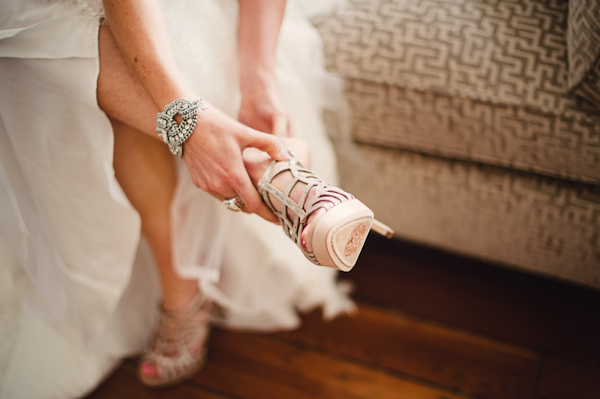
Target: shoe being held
{"points": [[329, 225]]}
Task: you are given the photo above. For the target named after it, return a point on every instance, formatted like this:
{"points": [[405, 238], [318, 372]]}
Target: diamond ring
{"points": [[234, 204]]}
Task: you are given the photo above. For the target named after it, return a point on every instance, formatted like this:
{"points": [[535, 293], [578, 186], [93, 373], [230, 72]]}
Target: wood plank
{"points": [[528, 310], [425, 350], [431, 326], [563, 379], [123, 384], [253, 366]]}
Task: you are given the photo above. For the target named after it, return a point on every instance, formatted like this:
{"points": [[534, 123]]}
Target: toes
{"points": [[149, 369]]}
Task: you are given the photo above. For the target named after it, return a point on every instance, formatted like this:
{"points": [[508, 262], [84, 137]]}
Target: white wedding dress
{"points": [[78, 290]]}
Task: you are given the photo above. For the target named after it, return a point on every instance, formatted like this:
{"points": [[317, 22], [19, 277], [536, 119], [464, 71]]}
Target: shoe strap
{"points": [[326, 197], [179, 332]]}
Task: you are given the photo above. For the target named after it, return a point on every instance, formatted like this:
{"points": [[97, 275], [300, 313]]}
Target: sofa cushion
{"points": [[529, 221], [583, 42], [468, 79]]}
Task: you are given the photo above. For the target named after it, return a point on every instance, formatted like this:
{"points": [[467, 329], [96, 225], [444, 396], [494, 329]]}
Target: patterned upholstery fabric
{"points": [[583, 41], [484, 81], [464, 134], [527, 221]]}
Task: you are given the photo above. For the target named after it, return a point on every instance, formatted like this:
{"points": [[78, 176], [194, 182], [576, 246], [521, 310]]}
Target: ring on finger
{"points": [[234, 204]]}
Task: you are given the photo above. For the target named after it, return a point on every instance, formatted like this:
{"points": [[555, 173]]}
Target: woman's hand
{"points": [[139, 77], [262, 109], [213, 155]]}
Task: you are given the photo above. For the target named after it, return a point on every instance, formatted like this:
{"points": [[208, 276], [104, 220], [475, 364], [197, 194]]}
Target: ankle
{"points": [[179, 298]]}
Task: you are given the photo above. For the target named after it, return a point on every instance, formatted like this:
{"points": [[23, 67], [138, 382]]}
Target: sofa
{"points": [[475, 126]]}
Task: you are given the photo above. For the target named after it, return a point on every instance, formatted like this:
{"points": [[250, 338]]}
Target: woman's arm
{"points": [[141, 34], [259, 25], [213, 153]]}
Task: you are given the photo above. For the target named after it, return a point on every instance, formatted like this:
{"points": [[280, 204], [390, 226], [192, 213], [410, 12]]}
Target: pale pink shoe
{"points": [[179, 349], [334, 237]]}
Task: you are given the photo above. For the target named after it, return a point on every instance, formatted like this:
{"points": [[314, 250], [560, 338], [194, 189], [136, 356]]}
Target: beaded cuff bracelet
{"points": [[172, 133]]}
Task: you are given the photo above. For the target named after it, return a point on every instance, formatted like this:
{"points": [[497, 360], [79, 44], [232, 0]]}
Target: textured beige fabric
{"points": [[538, 224], [464, 134], [583, 41], [472, 80]]}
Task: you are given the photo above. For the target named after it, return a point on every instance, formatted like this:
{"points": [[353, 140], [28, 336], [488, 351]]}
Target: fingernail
{"points": [[284, 154]]}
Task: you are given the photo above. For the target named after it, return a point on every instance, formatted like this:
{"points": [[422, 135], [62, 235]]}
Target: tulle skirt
{"points": [[82, 285]]}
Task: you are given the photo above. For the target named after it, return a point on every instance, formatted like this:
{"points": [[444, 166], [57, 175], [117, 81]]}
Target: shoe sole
{"points": [[340, 234]]}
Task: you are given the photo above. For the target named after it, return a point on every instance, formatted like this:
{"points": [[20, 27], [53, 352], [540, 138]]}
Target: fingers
{"points": [[247, 187], [267, 143], [231, 185], [253, 202], [225, 181], [214, 156]]}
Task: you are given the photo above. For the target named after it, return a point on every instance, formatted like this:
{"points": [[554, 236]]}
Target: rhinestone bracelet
{"points": [[172, 133]]}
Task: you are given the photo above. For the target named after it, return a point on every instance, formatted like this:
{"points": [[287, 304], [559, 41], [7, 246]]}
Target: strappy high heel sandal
{"points": [[337, 232], [179, 349]]}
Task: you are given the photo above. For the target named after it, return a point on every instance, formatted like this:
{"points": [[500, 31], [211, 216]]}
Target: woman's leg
{"points": [[125, 100], [145, 170], [143, 164]]}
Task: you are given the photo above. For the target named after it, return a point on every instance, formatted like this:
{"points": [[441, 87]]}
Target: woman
{"points": [[76, 248]]}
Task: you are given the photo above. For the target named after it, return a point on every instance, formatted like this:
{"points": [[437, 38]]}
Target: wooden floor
{"points": [[430, 326]]}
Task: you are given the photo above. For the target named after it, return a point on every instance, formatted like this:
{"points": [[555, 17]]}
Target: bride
{"points": [[94, 203]]}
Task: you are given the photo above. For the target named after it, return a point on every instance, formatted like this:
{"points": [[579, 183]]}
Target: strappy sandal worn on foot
{"points": [[179, 349], [337, 232]]}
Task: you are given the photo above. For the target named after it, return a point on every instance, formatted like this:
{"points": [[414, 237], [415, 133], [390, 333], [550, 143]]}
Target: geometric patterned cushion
{"points": [[537, 223], [583, 42], [460, 128], [468, 79]]}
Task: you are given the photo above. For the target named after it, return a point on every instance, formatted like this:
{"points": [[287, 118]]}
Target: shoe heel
{"points": [[382, 229], [340, 234]]}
